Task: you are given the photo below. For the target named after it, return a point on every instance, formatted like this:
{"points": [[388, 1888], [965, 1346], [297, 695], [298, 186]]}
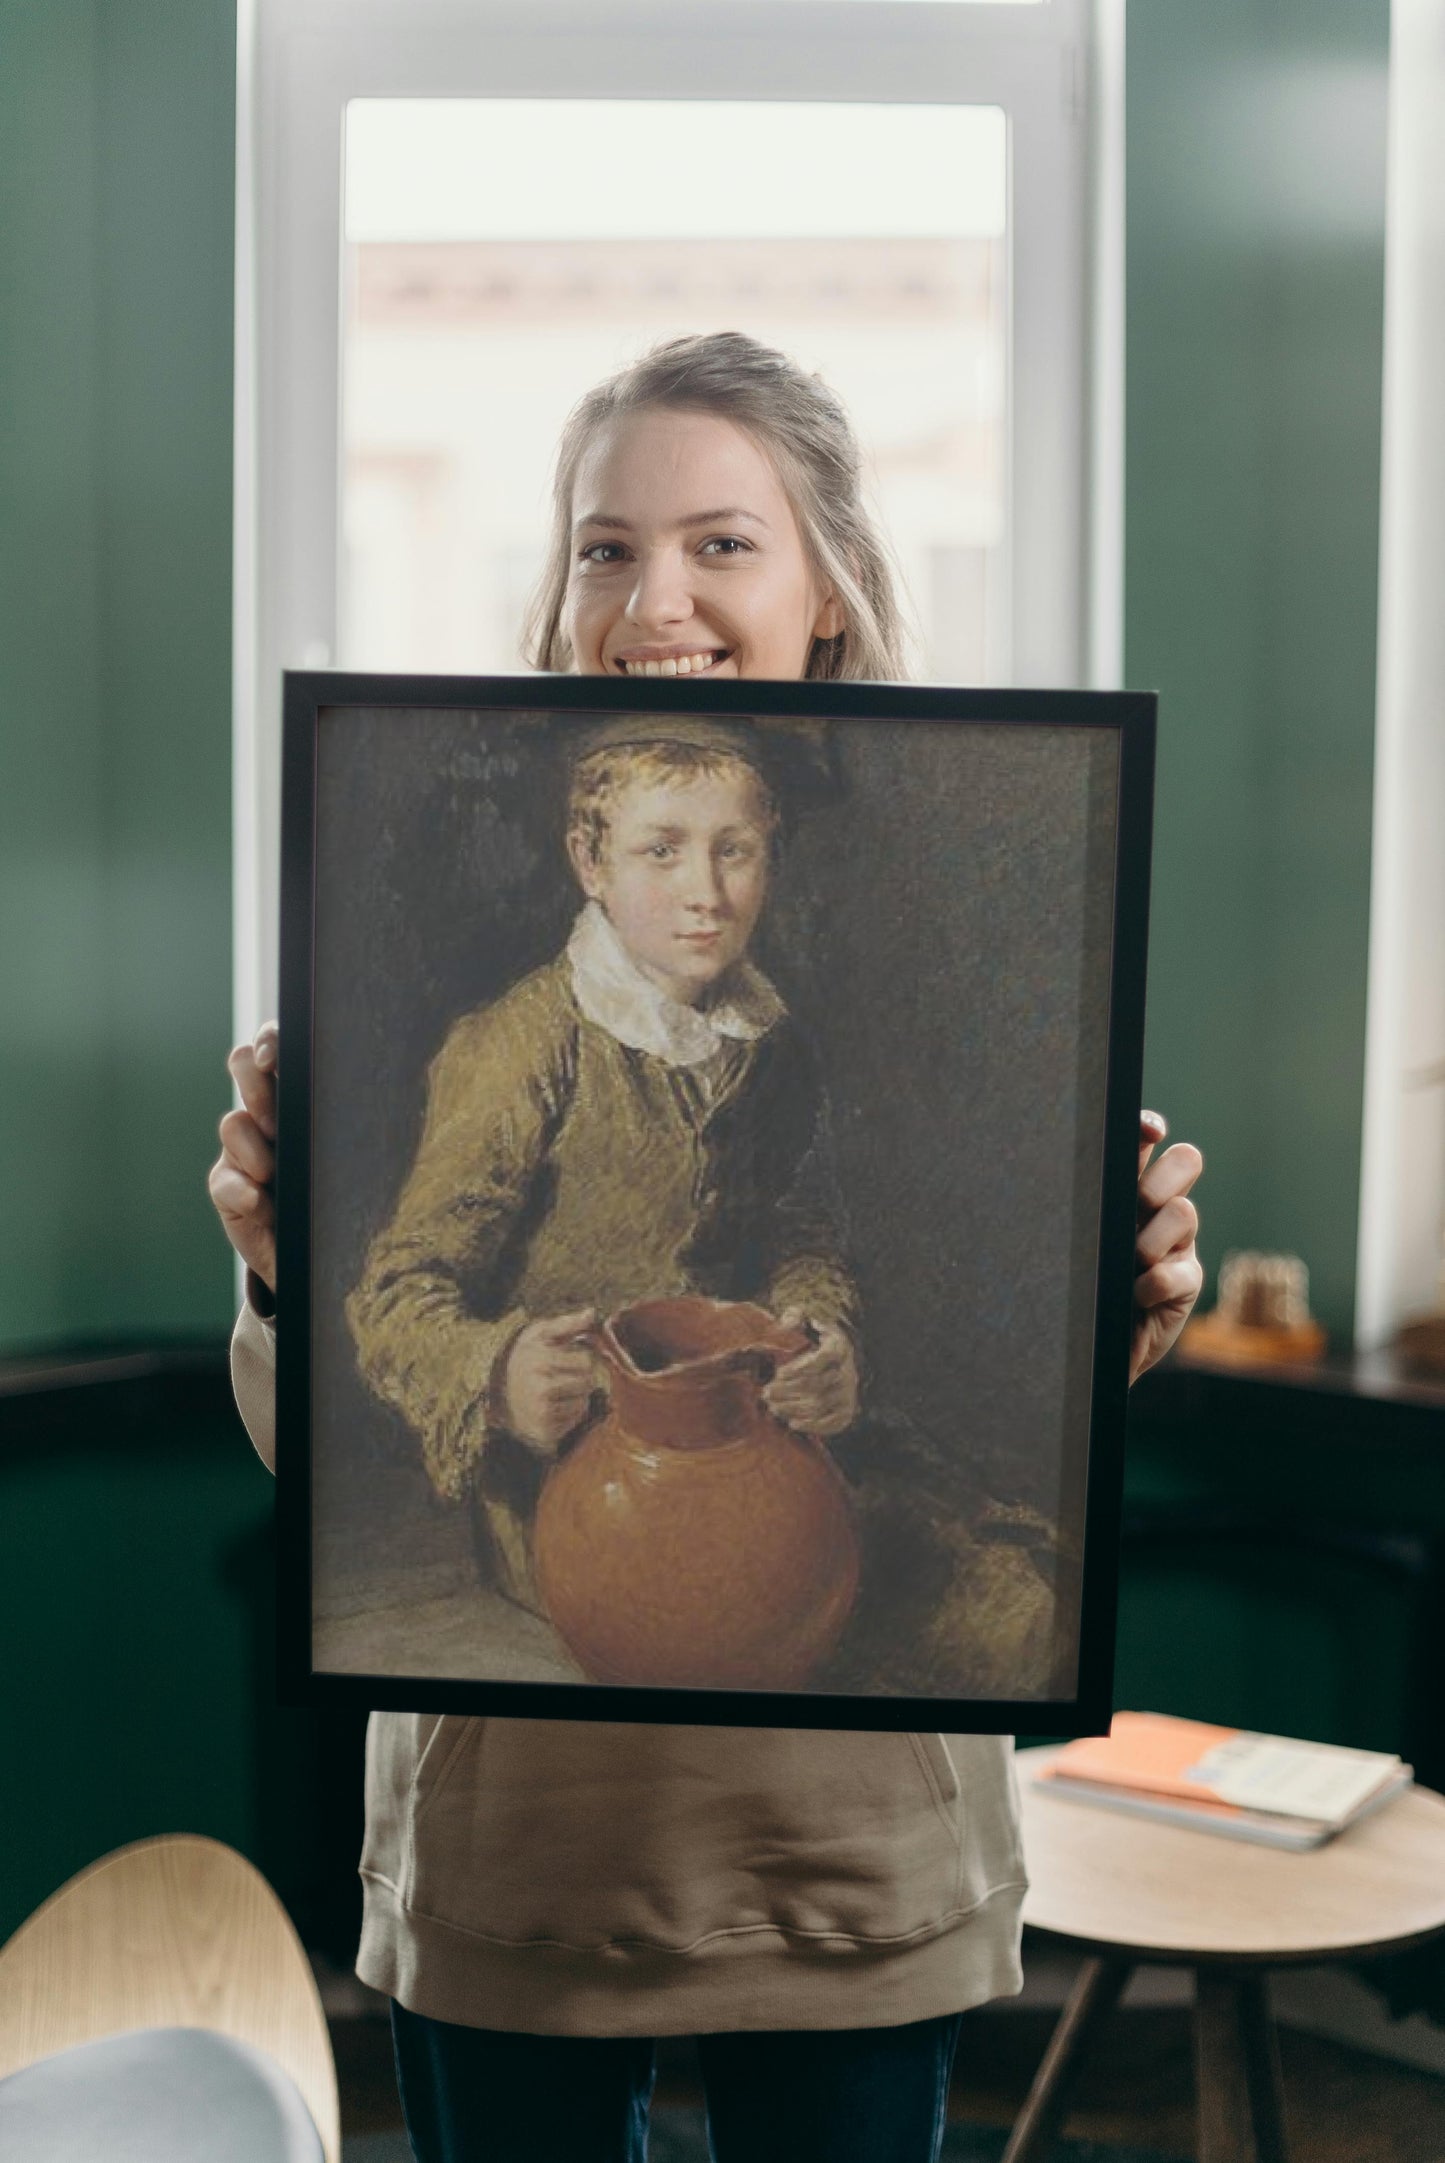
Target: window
{"points": [[913, 199], [500, 259]]}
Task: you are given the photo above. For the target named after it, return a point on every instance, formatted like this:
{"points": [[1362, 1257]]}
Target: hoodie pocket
{"points": [[942, 1779], [441, 1754], [587, 1834]]}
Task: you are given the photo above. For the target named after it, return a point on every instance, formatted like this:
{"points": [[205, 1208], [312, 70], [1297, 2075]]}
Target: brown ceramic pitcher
{"points": [[690, 1540]]}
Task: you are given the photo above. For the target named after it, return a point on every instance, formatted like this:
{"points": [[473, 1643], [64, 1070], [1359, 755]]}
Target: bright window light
{"points": [[594, 169], [504, 255]]}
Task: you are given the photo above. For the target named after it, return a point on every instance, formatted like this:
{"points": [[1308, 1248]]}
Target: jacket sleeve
{"points": [[253, 1377], [428, 1335], [809, 1269]]}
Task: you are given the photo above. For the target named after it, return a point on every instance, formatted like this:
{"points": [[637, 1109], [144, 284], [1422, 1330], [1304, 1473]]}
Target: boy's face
{"points": [[682, 875], [686, 556]]}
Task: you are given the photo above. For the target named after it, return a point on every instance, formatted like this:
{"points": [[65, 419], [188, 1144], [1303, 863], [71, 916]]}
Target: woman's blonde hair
{"points": [[805, 430]]}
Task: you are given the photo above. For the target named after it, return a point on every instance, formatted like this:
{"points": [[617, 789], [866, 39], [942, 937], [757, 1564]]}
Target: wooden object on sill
{"points": [[1262, 1317], [1420, 1342]]}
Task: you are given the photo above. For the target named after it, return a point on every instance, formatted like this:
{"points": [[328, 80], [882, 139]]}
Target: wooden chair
{"points": [[176, 1932], [1125, 1890]]}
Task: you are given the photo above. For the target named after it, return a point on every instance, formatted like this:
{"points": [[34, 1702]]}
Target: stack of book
{"points": [[1269, 1788]]}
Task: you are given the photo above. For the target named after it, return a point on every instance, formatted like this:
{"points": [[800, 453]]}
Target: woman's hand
{"points": [[816, 1391], [547, 1379], [1168, 1275], [242, 1179]]}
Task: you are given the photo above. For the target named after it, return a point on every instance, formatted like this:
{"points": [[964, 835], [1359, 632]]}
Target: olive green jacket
{"points": [[560, 1169]]}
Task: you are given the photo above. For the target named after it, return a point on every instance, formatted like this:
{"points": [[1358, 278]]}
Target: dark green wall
{"points": [[1256, 139], [117, 135], [134, 1569], [138, 1690]]}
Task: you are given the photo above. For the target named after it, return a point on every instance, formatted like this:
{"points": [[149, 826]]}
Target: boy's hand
{"points": [[241, 1181], [1168, 1273], [547, 1379], [816, 1391]]}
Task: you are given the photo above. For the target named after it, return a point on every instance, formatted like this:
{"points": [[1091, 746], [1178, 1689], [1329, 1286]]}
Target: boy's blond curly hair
{"points": [[598, 780]]}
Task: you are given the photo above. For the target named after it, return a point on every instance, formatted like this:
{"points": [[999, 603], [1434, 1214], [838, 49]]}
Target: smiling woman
{"points": [[645, 575], [676, 592]]}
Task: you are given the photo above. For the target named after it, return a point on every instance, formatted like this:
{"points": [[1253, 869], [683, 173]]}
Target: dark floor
{"points": [[1343, 2105]]}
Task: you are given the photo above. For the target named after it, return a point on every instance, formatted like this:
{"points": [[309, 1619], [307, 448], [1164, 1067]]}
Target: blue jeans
{"points": [[835, 2095]]}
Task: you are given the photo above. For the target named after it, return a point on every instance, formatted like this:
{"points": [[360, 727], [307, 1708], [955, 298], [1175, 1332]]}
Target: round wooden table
{"points": [[1125, 1890]]}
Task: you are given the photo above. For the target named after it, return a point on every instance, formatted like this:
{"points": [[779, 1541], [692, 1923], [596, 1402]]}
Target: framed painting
{"points": [[708, 1137]]}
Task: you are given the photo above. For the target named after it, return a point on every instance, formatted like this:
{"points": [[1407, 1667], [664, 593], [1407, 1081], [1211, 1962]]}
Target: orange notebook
{"points": [[1193, 1762]]}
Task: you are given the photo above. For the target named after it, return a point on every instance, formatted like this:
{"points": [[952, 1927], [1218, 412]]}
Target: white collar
{"points": [[613, 992]]}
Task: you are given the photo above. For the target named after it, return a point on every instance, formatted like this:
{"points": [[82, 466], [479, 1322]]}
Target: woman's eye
{"points": [[601, 552], [726, 544], [661, 852]]}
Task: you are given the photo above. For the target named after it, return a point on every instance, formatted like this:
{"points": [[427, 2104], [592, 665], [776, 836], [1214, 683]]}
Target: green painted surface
{"points": [[136, 1692], [134, 1570], [1290, 1638], [52, 901], [116, 153], [1255, 292]]}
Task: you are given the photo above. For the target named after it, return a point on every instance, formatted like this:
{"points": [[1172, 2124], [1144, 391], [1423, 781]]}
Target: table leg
{"points": [[1095, 1994], [1261, 2044], [1241, 2115]]}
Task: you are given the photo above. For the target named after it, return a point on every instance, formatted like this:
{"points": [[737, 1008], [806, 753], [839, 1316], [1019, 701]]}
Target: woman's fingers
{"points": [[253, 1069], [1171, 1227], [1180, 1277], [244, 1145], [1153, 1128], [233, 1192], [240, 1180], [1169, 1275], [1172, 1174], [248, 1217]]}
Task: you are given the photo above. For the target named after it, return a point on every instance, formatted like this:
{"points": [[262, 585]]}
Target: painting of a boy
{"points": [[640, 1118]]}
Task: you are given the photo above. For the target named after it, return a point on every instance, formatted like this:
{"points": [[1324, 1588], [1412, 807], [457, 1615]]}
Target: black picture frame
{"points": [[318, 709]]}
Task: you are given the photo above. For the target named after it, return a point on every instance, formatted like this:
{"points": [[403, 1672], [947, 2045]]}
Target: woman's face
{"points": [[686, 556]]}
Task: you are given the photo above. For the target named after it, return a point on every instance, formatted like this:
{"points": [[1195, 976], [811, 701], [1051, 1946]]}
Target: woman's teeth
{"points": [[687, 664]]}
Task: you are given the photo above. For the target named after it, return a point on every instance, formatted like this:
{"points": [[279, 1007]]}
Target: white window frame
{"points": [[1402, 1161], [1056, 69]]}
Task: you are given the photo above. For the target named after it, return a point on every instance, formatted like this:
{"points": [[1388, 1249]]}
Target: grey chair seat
{"points": [[156, 2095]]}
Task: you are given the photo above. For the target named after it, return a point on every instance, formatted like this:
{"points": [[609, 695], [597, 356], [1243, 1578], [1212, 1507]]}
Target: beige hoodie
{"points": [[582, 1878]]}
